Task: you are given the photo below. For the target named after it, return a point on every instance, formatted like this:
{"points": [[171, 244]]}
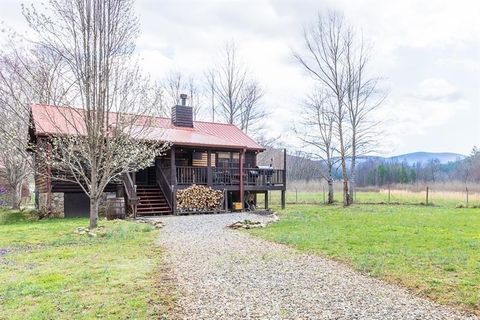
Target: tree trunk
{"points": [[330, 190], [346, 195], [17, 196], [352, 180], [93, 213]]}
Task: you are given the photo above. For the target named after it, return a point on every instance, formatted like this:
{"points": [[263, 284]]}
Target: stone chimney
{"points": [[182, 115]]}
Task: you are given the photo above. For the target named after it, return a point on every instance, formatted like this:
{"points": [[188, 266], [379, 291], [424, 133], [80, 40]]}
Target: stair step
{"points": [[162, 208], [152, 201], [153, 206], [150, 193], [155, 213]]}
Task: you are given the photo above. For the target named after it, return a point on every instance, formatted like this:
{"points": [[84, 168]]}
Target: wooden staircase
{"points": [[152, 201]]}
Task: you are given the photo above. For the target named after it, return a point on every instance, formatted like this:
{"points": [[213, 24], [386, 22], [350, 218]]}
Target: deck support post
{"points": [[209, 168], [173, 179], [284, 178], [242, 187], [266, 200]]}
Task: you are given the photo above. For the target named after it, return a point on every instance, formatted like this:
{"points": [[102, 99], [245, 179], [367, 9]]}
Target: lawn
{"points": [[434, 251], [47, 271]]}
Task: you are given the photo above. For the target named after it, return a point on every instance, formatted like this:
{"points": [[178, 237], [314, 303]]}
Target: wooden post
{"points": [[266, 200], [388, 193], [225, 194], [296, 195], [173, 179], [283, 199], [466, 189], [323, 192], [209, 168], [426, 197], [242, 187], [284, 169]]}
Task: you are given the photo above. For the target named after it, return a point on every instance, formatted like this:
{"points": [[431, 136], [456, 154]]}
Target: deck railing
{"points": [[263, 176], [230, 176], [191, 175]]}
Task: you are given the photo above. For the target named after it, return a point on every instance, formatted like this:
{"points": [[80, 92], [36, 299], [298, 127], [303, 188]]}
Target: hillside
{"points": [[423, 157], [299, 168]]}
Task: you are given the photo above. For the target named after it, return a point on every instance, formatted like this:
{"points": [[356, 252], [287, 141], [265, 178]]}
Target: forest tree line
{"points": [[380, 172]]}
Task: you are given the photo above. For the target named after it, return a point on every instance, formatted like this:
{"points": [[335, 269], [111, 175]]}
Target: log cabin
{"points": [[202, 153]]}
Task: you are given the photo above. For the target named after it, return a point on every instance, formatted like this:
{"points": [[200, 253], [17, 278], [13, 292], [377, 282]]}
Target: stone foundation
{"points": [[57, 204]]}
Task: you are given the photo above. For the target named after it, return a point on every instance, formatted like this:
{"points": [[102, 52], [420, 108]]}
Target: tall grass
{"points": [[320, 185]]}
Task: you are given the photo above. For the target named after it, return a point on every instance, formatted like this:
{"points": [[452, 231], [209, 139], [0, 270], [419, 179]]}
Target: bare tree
{"points": [[176, 83], [250, 113], [237, 96], [16, 165], [325, 60], [362, 99], [26, 76], [317, 132], [210, 77], [108, 134]]}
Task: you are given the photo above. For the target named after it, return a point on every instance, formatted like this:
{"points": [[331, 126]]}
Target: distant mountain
{"points": [[423, 157]]}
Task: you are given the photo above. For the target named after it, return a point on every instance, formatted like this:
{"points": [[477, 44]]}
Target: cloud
{"points": [[427, 50], [422, 121], [437, 89]]}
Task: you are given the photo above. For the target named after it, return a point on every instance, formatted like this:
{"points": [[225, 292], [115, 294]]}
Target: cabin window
{"points": [[228, 159]]}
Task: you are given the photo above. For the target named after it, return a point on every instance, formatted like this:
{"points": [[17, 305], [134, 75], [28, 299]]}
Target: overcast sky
{"points": [[428, 52]]}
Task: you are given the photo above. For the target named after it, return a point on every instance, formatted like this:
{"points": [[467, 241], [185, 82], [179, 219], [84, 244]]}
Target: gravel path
{"points": [[227, 274]]}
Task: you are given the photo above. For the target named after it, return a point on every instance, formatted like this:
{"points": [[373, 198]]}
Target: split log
{"points": [[199, 198]]}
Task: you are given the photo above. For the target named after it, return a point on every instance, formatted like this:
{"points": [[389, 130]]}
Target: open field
{"points": [[434, 250], [49, 272], [397, 196]]}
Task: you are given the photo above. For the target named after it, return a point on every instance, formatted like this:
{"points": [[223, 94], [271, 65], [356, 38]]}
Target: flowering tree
{"points": [[106, 134]]}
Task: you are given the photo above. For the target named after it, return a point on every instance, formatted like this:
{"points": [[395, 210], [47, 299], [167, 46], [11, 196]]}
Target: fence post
{"points": [[323, 189], [466, 189], [296, 196], [426, 198], [389, 193]]}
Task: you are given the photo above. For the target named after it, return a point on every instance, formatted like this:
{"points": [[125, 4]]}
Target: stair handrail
{"points": [[164, 185], [131, 192]]}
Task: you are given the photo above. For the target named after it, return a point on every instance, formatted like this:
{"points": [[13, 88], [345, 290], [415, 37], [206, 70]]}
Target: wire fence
{"points": [[427, 196]]}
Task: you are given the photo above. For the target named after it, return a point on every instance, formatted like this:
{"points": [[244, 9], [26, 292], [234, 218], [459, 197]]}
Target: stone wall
{"points": [[57, 204]]}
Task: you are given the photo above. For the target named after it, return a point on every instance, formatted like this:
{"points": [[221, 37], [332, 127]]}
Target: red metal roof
{"points": [[53, 120]]}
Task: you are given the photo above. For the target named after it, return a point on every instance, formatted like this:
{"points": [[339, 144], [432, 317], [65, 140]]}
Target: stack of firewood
{"points": [[199, 198]]}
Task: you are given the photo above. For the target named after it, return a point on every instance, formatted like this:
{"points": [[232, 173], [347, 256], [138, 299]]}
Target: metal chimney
{"points": [[184, 98], [182, 115]]}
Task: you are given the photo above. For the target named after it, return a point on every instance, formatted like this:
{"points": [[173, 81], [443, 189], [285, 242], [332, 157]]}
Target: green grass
{"points": [[50, 272], [433, 250]]}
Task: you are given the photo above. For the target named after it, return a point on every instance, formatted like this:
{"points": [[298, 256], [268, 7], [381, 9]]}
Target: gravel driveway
{"points": [[227, 274]]}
